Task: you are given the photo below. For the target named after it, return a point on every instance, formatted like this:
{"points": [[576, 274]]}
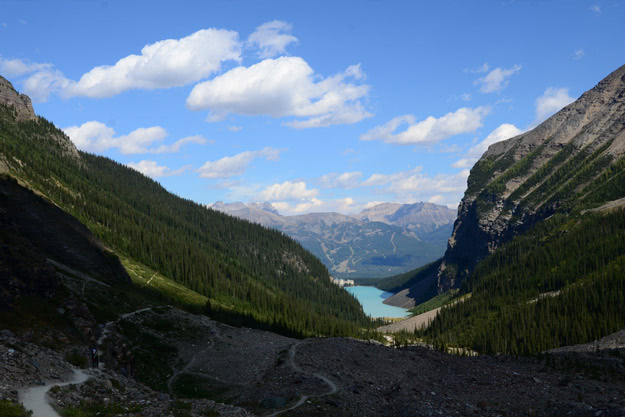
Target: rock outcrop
{"points": [[572, 160], [19, 102]]}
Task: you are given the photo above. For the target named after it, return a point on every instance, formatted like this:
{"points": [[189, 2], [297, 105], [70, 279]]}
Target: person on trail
{"points": [[94, 358]]}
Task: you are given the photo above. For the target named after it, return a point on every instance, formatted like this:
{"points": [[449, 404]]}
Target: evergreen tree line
{"points": [[561, 283]]}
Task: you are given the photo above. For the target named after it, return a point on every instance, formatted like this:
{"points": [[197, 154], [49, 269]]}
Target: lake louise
{"points": [[372, 300]]}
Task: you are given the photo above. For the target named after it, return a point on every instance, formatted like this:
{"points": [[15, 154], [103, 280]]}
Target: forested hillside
{"points": [[251, 274]]}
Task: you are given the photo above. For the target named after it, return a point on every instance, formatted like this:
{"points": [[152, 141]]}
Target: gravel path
{"points": [[35, 398], [303, 398]]}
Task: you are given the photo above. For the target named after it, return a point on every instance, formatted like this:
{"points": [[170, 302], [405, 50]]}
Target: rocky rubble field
{"points": [[223, 370]]}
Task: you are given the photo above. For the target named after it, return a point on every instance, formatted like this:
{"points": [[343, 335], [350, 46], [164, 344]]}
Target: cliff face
{"points": [[571, 161], [20, 102]]}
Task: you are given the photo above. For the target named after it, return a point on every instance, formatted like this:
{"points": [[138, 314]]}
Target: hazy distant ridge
{"points": [[383, 240]]}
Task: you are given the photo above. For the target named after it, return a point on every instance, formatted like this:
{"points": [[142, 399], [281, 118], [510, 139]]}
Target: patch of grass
{"points": [[147, 278], [11, 409], [152, 356], [31, 312], [194, 386], [76, 358]]}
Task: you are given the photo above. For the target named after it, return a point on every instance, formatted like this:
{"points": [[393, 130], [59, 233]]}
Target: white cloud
{"points": [[503, 132], [17, 67], [283, 87], [340, 180], [272, 38], [163, 64], [496, 80], [287, 191], [578, 54], [341, 205], [235, 128], [42, 83], [231, 166], [551, 101], [481, 69], [313, 203], [596, 8], [413, 185], [430, 130], [95, 136], [153, 170]]}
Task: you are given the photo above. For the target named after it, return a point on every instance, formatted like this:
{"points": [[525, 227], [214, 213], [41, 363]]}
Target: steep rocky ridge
{"points": [[573, 160]]}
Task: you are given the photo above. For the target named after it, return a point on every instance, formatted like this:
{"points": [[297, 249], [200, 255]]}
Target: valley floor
{"points": [[264, 374]]}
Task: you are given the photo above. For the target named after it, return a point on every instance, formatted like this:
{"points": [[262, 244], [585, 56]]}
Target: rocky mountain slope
{"points": [[381, 241], [571, 162]]}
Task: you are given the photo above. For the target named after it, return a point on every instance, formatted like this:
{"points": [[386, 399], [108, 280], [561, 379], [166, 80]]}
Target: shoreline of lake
{"points": [[372, 301]]}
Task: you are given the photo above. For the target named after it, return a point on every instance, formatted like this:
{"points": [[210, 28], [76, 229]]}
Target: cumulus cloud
{"points": [[283, 87], [413, 185], [231, 166], [341, 205], [340, 180], [430, 130], [271, 38], [551, 101], [95, 136], [496, 80], [153, 170], [503, 132], [44, 82], [287, 191], [163, 64]]}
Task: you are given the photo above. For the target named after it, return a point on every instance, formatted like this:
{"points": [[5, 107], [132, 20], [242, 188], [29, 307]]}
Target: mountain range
{"points": [[383, 240]]}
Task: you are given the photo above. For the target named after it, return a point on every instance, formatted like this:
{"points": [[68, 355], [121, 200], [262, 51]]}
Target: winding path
{"points": [[35, 398], [303, 398]]}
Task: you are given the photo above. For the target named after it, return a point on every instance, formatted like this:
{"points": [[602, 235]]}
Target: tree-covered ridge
{"points": [[248, 271], [561, 283]]}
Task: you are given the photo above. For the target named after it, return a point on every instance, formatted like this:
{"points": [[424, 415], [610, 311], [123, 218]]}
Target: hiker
{"points": [[95, 363]]}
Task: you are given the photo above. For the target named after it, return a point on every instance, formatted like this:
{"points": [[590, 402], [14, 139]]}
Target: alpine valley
{"points": [[118, 298]]}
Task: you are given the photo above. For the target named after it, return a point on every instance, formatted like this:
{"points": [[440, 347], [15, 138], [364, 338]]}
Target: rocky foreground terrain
{"points": [[208, 368]]}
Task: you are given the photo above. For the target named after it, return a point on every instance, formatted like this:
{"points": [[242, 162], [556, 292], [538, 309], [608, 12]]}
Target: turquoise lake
{"points": [[372, 299]]}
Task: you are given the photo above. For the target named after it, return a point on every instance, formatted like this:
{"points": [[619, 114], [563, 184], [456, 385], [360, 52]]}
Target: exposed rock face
{"points": [[556, 167], [20, 102]]}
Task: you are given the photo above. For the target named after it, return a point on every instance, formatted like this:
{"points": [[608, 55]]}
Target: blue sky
{"points": [[312, 106]]}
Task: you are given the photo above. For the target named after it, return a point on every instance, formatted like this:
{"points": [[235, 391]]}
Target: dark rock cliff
{"points": [[556, 167]]}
